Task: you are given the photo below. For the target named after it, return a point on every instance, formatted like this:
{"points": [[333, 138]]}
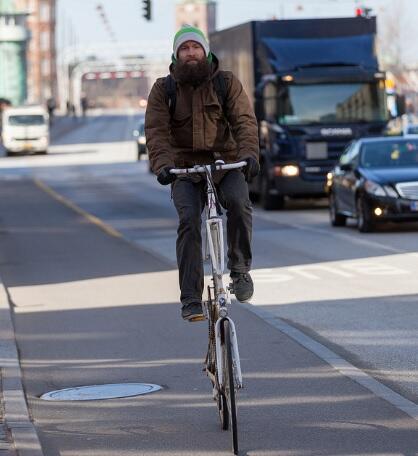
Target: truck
{"points": [[25, 129], [315, 85]]}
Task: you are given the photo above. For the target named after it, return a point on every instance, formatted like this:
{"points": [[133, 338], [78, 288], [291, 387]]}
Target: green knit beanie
{"points": [[189, 33]]}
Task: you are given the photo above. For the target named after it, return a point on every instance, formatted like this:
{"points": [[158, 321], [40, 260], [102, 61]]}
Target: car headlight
{"points": [[374, 189], [391, 191], [142, 140]]}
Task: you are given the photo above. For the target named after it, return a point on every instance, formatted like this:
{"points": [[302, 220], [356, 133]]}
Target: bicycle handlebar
{"points": [[202, 168]]}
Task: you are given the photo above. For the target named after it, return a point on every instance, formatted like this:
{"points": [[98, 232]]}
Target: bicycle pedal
{"points": [[196, 319]]}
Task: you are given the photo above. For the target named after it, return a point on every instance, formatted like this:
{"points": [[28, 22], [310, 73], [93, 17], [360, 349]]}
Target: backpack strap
{"points": [[170, 94], [219, 84], [221, 90]]}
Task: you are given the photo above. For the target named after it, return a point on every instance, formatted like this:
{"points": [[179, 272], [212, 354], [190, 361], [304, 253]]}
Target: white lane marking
{"points": [[323, 272], [369, 268], [346, 237], [338, 363], [11, 177]]}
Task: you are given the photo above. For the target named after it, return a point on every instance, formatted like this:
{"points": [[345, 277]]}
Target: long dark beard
{"points": [[194, 74]]}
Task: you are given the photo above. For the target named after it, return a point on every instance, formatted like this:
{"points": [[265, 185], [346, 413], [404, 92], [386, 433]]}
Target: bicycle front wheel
{"points": [[229, 384]]}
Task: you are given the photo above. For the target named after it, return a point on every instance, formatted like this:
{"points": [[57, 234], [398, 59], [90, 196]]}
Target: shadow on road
{"points": [[293, 403]]}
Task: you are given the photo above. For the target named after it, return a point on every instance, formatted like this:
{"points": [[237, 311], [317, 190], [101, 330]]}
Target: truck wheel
{"points": [[268, 201], [365, 223], [336, 218]]}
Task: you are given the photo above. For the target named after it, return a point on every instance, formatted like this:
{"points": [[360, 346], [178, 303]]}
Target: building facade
{"points": [[13, 42], [41, 54], [199, 13]]}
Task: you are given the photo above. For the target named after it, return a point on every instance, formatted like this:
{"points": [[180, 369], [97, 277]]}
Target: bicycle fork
{"points": [[235, 352]]}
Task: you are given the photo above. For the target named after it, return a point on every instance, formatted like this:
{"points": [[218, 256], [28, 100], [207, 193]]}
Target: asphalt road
{"points": [[91, 308]]}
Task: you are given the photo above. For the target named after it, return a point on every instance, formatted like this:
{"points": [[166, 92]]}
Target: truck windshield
{"points": [[26, 120], [331, 103]]}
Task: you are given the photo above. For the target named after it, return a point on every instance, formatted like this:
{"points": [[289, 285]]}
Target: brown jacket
{"points": [[198, 127]]}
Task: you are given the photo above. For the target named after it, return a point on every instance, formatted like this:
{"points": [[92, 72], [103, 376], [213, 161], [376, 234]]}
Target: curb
{"points": [[16, 414], [337, 362]]}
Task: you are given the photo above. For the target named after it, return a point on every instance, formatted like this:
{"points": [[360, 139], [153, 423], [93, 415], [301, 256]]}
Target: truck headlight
{"points": [[289, 170], [286, 171]]}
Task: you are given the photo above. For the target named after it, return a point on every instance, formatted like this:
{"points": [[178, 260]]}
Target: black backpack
{"points": [[219, 85]]}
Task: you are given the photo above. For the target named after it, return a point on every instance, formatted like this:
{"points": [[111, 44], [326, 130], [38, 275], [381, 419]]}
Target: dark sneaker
{"points": [[242, 286], [192, 311]]}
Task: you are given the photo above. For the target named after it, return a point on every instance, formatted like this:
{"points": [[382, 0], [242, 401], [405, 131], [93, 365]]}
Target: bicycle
{"points": [[222, 363]]}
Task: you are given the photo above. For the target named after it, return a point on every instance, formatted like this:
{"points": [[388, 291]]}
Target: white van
{"points": [[25, 130]]}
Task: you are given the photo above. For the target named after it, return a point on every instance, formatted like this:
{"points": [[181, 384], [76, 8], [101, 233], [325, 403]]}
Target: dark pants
{"points": [[189, 199]]}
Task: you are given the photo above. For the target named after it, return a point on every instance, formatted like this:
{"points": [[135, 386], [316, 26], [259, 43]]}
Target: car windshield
{"points": [[390, 154], [332, 103], [26, 120]]}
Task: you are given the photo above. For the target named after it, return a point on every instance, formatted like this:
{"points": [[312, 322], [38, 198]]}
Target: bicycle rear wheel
{"points": [[229, 384]]}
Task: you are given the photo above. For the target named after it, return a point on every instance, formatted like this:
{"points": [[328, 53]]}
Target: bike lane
{"points": [[90, 308]]}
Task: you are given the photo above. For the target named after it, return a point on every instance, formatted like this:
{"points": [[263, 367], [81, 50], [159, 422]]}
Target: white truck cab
{"points": [[25, 129]]}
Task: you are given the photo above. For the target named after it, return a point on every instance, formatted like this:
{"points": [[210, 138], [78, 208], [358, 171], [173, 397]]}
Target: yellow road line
{"points": [[91, 218]]}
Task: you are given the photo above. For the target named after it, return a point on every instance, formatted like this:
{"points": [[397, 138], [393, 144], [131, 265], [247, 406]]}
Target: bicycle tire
{"points": [[211, 365], [229, 385]]}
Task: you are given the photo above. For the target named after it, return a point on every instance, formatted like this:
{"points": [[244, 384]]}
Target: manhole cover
{"points": [[98, 392]]}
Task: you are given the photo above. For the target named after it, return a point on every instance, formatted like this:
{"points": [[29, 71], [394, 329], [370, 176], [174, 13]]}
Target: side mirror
{"points": [[259, 108], [400, 105], [346, 167]]}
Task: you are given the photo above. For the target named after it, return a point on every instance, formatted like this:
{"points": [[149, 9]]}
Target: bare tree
{"points": [[393, 28]]}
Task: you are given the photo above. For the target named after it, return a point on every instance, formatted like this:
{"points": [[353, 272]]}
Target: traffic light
{"points": [[146, 9], [363, 11]]}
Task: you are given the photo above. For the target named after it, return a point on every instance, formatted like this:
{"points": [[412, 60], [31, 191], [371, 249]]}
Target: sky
{"points": [[80, 24]]}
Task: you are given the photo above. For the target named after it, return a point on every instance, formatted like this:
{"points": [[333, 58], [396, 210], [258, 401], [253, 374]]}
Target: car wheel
{"points": [[336, 218], [365, 223], [268, 201]]}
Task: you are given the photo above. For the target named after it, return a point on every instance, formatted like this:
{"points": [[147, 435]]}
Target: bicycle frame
{"points": [[214, 226], [214, 231]]}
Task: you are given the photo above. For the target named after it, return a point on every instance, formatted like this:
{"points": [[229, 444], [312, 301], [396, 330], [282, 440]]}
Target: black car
{"points": [[139, 134], [375, 180]]}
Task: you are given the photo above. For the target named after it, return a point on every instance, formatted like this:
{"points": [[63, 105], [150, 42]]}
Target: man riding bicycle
{"points": [[196, 115]]}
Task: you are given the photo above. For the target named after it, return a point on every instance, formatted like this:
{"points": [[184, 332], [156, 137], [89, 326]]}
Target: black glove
{"points": [[252, 168], [165, 177]]}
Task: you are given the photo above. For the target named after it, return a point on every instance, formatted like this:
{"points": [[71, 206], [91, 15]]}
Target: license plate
{"points": [[414, 206], [27, 146], [316, 150]]}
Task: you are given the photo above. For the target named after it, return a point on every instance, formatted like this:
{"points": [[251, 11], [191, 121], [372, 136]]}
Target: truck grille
{"points": [[316, 150], [408, 190]]}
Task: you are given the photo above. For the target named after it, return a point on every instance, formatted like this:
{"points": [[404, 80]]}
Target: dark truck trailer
{"points": [[315, 85]]}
